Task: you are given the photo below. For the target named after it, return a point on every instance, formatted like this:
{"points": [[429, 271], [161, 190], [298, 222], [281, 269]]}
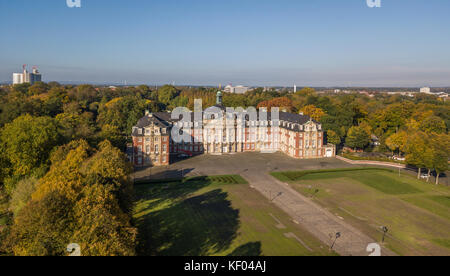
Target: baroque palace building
{"points": [[296, 135]]}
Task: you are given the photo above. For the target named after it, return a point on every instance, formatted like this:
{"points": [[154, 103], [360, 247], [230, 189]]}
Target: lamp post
{"points": [[278, 195], [338, 235], [385, 230]]}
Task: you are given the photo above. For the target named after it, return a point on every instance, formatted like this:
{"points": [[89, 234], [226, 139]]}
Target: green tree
{"points": [[166, 94], [84, 94], [27, 142], [333, 138], [306, 91], [441, 154], [123, 112], [43, 228], [38, 88], [433, 124], [22, 194], [112, 134], [417, 151], [357, 138], [22, 88], [74, 126]]}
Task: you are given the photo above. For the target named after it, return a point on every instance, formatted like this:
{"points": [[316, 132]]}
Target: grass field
{"points": [[417, 214], [216, 216]]}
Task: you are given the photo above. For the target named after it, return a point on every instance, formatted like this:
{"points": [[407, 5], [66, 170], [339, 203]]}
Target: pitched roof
{"points": [[164, 119]]}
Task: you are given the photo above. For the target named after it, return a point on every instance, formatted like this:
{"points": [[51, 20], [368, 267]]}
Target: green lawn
{"points": [[416, 213], [216, 216]]}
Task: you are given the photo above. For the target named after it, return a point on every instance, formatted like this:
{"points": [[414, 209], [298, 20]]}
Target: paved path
{"points": [[373, 163], [312, 217]]}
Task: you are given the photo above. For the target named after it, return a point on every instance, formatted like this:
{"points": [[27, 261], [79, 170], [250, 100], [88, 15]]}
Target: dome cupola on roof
{"points": [[219, 98]]}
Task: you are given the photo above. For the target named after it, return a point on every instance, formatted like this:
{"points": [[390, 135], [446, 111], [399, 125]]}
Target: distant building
{"points": [[18, 78], [26, 77], [236, 89], [426, 90]]}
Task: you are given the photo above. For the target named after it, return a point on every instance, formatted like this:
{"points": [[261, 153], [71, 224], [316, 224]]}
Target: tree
{"points": [[110, 166], [38, 88], [390, 119], [43, 228], [417, 151], [166, 94], [97, 187], [27, 142], [357, 138], [84, 94], [441, 153], [65, 175], [22, 194], [103, 229], [397, 141], [21, 88], [313, 112], [333, 138], [74, 126], [433, 124], [112, 134], [283, 103], [306, 91], [123, 112]]}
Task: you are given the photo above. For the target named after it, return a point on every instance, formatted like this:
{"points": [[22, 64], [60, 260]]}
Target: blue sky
{"points": [[250, 42]]}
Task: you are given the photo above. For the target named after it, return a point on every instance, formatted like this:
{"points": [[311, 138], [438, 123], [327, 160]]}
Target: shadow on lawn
{"points": [[161, 175], [192, 226], [251, 249]]}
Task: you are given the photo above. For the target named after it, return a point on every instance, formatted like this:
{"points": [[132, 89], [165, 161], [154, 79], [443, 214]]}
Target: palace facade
{"points": [[295, 135]]}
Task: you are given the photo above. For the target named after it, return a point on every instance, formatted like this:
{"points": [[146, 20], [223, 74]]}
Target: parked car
{"points": [[424, 176], [399, 158]]}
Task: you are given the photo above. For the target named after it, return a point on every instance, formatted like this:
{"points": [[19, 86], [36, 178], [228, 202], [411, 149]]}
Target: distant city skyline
{"points": [[320, 43]]}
